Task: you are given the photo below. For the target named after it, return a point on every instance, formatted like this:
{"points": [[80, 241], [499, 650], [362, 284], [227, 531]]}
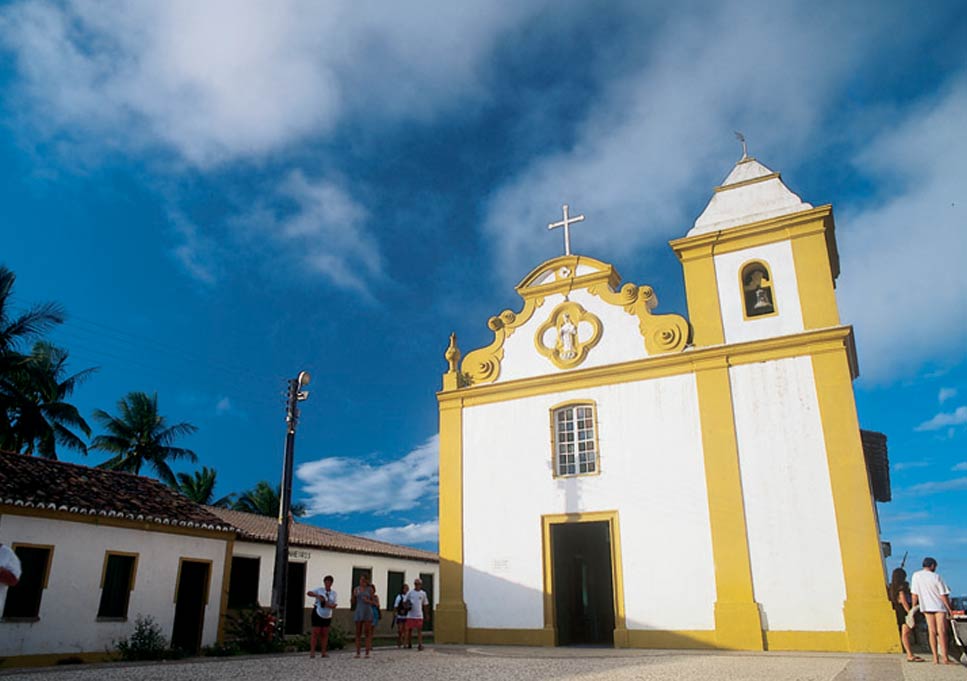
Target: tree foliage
{"points": [[141, 436], [200, 488], [39, 417], [35, 416], [263, 499]]}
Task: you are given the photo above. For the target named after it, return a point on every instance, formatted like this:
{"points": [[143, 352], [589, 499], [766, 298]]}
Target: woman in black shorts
{"points": [[322, 616]]}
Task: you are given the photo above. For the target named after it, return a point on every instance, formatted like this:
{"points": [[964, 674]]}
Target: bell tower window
{"points": [[758, 295]]}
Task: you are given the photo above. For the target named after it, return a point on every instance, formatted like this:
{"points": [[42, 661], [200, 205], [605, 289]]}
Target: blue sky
{"points": [[224, 194]]}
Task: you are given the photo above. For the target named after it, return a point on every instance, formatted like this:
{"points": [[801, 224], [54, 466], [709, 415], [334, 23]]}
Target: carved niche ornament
{"points": [[568, 335]]}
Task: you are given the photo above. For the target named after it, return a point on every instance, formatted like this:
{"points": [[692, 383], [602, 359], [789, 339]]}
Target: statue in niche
{"points": [[566, 335]]}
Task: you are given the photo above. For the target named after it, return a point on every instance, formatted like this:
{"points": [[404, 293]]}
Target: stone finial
{"points": [[452, 355]]}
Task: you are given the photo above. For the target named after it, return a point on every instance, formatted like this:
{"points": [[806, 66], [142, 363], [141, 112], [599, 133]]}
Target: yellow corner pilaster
{"points": [[451, 613], [738, 624], [813, 254], [701, 293], [870, 622]]}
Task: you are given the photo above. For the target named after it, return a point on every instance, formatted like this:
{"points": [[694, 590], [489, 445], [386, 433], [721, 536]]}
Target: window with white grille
{"points": [[575, 440]]}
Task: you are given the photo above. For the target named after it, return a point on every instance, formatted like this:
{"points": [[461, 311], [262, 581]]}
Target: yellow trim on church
{"points": [[738, 624], [815, 257], [660, 333], [750, 352], [617, 575], [450, 624], [869, 622]]}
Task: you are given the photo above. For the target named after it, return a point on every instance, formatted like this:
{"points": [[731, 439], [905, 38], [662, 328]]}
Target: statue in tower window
{"points": [[566, 335], [757, 289]]}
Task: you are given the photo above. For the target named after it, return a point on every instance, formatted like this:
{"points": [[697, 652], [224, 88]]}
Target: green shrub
{"points": [[146, 642], [300, 642], [337, 638]]}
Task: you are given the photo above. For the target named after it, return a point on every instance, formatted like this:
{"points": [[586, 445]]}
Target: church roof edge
{"points": [[751, 192]]}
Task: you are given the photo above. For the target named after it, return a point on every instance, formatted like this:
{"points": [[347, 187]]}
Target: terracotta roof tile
{"points": [[33, 482], [263, 529]]}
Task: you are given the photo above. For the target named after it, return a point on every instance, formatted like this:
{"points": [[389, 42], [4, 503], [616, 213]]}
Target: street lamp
{"points": [[280, 577]]}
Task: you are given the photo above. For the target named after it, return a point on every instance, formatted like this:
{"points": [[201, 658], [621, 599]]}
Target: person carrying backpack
{"points": [[401, 607]]}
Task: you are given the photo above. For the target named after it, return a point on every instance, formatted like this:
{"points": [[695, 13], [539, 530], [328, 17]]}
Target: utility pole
{"points": [[280, 577]]}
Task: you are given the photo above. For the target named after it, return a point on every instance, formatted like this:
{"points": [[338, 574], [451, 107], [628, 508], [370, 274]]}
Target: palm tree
{"points": [[200, 488], [15, 330], [39, 418], [263, 499], [140, 435]]}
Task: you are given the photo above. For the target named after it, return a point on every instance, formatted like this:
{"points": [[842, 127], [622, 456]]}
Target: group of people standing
{"points": [[928, 594], [409, 610]]}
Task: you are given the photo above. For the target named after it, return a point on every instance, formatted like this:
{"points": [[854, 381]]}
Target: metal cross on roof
{"points": [[566, 224]]}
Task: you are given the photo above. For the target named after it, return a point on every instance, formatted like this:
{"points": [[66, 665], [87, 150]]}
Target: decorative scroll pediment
{"points": [[565, 347], [662, 333], [483, 365], [566, 273]]}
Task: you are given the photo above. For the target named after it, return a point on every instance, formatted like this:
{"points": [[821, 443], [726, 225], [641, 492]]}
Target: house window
{"points": [[23, 600], [427, 579], [117, 581], [394, 584], [575, 439], [758, 296], [243, 587], [360, 571]]}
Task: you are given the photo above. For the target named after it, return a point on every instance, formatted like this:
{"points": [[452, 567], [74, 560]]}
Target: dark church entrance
{"points": [[582, 583]]}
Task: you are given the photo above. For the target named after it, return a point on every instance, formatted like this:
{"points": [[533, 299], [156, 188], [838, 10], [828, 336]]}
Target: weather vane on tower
{"points": [[566, 224], [745, 152]]}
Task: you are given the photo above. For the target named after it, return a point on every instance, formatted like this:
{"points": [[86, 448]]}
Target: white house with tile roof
{"points": [[314, 553], [99, 548]]}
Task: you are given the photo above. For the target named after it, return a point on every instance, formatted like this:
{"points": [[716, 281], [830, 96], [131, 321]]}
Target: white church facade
{"points": [[612, 475]]}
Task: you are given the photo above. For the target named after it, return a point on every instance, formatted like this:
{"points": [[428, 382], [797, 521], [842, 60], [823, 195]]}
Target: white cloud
{"points": [[221, 80], [223, 406], [936, 487], [906, 465], [316, 221], [925, 536], [917, 540], [946, 394], [962, 466], [905, 517], [901, 257], [414, 533], [955, 418], [335, 484], [195, 253], [656, 142]]}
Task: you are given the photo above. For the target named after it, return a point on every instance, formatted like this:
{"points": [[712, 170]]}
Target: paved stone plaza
{"points": [[515, 664]]}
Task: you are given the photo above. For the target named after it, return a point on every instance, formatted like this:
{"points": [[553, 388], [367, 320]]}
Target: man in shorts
{"points": [[414, 618], [322, 616], [932, 595]]}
